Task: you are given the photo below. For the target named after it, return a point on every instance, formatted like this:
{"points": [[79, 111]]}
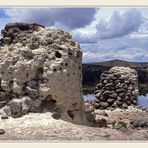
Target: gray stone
{"points": [[106, 93], [110, 101], [103, 99], [4, 117], [114, 95], [140, 123], [122, 95], [99, 85], [89, 109], [3, 103], [105, 81], [104, 104], [97, 105], [97, 95], [119, 98], [16, 108], [114, 105], [126, 98], [7, 110], [125, 106], [119, 103], [56, 115], [7, 40], [2, 131], [100, 121], [120, 90], [109, 85]]}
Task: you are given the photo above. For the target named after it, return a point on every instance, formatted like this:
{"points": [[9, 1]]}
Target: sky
{"points": [[103, 33]]}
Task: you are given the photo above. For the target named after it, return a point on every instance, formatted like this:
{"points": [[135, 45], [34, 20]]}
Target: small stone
{"points": [[114, 78], [99, 85], [105, 81], [125, 106], [126, 98], [97, 95], [102, 99], [7, 40], [4, 117], [89, 109], [104, 104], [114, 95], [114, 105], [119, 103], [109, 84], [3, 103], [110, 101], [100, 121], [120, 90], [134, 102], [16, 108], [140, 123], [121, 95], [97, 105], [97, 101], [5, 86], [106, 93], [7, 110], [2, 131], [56, 115]]}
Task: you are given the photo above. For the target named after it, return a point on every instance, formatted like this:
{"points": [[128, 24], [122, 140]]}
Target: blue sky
{"points": [[103, 33]]}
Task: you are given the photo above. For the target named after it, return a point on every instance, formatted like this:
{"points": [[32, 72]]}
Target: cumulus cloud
{"points": [[70, 18], [124, 48], [120, 23]]}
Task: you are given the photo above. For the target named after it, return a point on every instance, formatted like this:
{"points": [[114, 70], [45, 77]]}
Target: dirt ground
{"points": [[41, 126]]}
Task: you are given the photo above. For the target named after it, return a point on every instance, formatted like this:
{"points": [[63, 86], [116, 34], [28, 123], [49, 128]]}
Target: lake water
{"points": [[142, 100]]}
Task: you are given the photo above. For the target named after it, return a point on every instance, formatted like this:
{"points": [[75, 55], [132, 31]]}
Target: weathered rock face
{"points": [[118, 87], [40, 70]]}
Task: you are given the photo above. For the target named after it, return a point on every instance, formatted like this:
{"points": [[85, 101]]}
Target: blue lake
{"points": [[142, 100]]}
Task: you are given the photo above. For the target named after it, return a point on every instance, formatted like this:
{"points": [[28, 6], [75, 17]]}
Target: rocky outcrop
{"points": [[40, 70], [118, 87]]}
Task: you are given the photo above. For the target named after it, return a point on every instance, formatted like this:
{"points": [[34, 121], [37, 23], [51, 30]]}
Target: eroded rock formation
{"points": [[40, 70], [118, 87]]}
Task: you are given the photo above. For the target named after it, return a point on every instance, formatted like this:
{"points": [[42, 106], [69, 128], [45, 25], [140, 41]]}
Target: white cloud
{"points": [[125, 48], [120, 23], [71, 18]]}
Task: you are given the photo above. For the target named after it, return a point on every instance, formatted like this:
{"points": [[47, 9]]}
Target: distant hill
{"points": [[92, 71], [120, 63]]}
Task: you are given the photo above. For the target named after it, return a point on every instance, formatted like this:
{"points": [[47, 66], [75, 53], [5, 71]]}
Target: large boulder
{"points": [[38, 68]]}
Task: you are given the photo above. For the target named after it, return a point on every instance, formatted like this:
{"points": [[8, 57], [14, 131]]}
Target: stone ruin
{"points": [[118, 87], [40, 70]]}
